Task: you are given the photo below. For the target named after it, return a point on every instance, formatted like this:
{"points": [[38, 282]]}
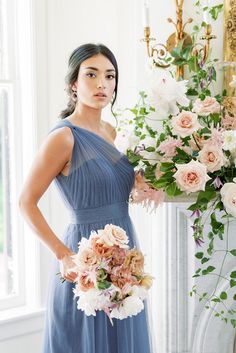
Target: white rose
{"points": [[126, 139], [228, 196], [229, 140]]}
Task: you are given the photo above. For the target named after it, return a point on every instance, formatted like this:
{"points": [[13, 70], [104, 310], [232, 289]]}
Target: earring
{"points": [[74, 96]]}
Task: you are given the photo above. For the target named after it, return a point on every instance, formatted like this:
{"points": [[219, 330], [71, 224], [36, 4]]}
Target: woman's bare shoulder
{"points": [[111, 130], [61, 137]]}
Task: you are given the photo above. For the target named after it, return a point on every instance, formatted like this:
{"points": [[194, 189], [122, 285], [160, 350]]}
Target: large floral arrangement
{"points": [[110, 275], [181, 139]]}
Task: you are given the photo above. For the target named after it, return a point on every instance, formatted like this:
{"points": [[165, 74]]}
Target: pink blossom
{"points": [[207, 106], [144, 193], [229, 122], [216, 137], [168, 147]]}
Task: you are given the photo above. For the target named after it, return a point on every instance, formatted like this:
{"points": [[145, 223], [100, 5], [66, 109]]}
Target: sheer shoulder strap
{"points": [[76, 153]]}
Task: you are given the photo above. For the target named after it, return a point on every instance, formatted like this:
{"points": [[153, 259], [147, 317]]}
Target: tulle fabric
{"points": [[96, 192]]}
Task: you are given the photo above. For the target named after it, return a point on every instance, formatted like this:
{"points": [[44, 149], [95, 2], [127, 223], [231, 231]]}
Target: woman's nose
{"points": [[101, 83]]}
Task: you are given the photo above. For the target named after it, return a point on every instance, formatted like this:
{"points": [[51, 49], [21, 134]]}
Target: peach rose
{"points": [[85, 259], [212, 157], [191, 177], [113, 235], [185, 124], [228, 197], [101, 249], [121, 277], [134, 261], [118, 256], [208, 106], [85, 282]]}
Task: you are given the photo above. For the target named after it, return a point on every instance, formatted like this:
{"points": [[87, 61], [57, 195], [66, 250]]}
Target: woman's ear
{"points": [[74, 86]]}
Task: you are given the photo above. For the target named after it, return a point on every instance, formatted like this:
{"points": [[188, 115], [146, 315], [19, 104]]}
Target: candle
{"points": [[206, 16], [146, 14]]}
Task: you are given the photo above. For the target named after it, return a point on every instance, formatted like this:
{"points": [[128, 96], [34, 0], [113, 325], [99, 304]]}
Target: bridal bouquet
{"points": [[111, 276]]}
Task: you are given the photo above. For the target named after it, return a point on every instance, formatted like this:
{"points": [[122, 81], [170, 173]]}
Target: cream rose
{"points": [[191, 177], [208, 106], [85, 259], [113, 235], [228, 197], [185, 124], [212, 157]]}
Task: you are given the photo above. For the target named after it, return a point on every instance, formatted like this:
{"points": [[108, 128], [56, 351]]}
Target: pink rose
{"points": [[208, 106], [228, 197], [191, 177], [113, 235], [185, 124], [168, 147], [212, 157]]}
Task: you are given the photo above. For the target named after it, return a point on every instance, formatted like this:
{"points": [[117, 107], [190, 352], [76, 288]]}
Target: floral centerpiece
{"points": [[181, 139]]}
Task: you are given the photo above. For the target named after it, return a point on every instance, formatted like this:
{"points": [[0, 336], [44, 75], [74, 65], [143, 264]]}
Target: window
{"points": [[12, 259]]}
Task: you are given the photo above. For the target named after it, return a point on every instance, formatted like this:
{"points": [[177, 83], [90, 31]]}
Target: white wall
{"points": [[59, 27]]}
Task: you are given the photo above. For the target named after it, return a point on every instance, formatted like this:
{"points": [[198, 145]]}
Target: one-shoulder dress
{"points": [[96, 192]]}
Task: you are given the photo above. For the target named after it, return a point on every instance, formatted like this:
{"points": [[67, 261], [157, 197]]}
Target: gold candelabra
{"points": [[160, 52]]}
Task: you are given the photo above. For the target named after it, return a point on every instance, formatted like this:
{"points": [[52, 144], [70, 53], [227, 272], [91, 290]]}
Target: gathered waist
{"points": [[101, 213]]}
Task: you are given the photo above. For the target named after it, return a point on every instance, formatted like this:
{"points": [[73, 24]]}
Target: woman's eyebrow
{"points": [[96, 69]]}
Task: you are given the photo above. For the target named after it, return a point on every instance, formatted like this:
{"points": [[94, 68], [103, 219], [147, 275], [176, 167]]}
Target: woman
{"points": [[95, 181]]}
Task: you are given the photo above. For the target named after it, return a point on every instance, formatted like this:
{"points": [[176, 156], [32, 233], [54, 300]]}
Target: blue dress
{"points": [[96, 192]]}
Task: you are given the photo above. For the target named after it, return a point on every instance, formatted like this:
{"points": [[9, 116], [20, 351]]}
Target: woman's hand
{"points": [[66, 267]]}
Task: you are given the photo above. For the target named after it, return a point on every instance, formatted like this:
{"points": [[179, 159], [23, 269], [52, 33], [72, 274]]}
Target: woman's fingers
{"points": [[70, 276]]}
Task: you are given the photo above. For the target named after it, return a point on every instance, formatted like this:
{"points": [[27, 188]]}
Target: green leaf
{"points": [[234, 297], [204, 260], [216, 300], [103, 285], [175, 52], [233, 322], [199, 255], [208, 270], [173, 190], [192, 92], [233, 252], [233, 274], [232, 283], [215, 11], [166, 166], [223, 295], [150, 149]]}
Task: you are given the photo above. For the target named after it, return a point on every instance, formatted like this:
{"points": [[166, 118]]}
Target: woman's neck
{"points": [[87, 117]]}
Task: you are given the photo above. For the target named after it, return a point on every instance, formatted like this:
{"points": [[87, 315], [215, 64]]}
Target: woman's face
{"points": [[96, 82]]}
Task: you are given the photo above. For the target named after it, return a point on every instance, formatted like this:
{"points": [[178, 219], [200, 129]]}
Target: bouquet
{"points": [[110, 275]]}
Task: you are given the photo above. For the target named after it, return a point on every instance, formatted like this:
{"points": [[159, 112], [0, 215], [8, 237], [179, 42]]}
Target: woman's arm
{"points": [[49, 162]]}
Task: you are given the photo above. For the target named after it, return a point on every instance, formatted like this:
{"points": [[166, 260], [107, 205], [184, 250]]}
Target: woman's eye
{"points": [[111, 77], [90, 74]]}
